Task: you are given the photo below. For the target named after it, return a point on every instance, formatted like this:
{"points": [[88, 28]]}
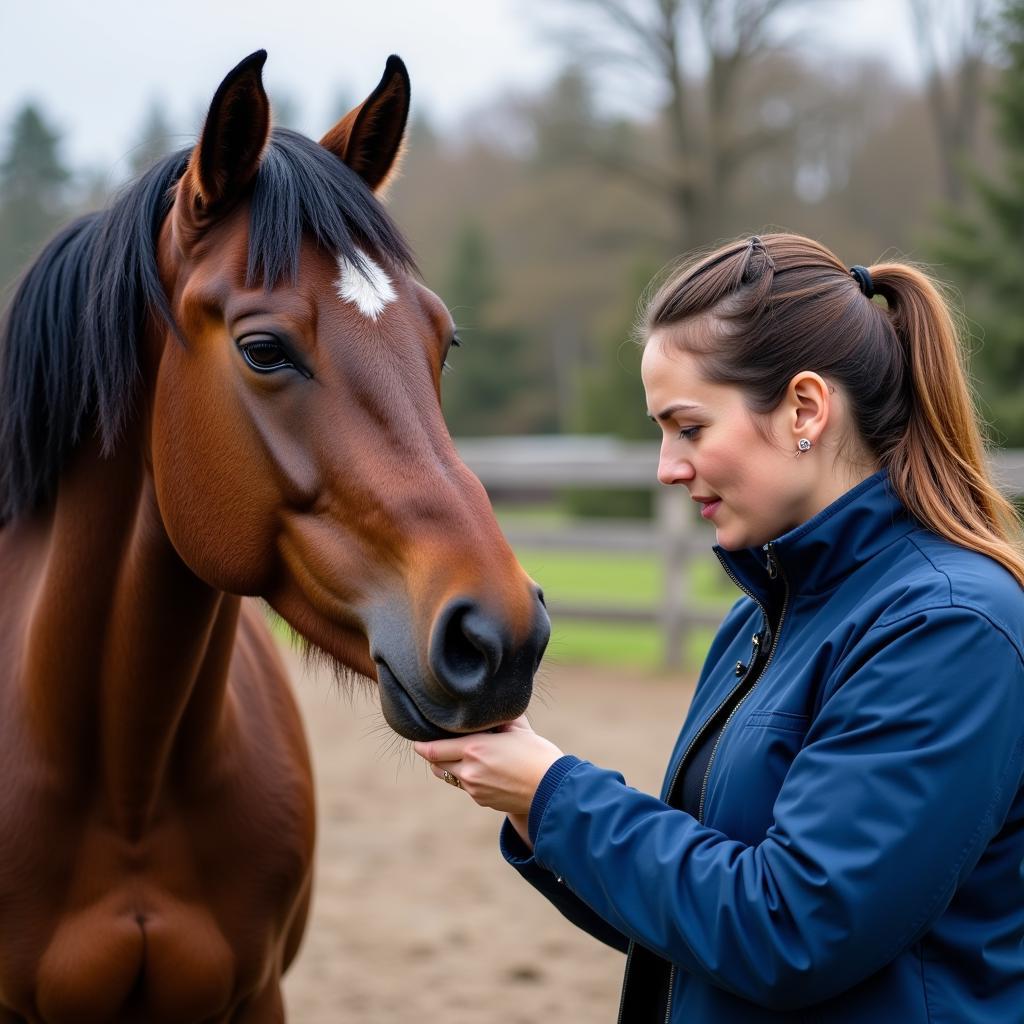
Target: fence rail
{"points": [[677, 536]]}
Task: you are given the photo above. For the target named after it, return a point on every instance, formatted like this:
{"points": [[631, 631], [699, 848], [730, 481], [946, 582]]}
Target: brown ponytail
{"points": [[781, 303], [939, 468]]}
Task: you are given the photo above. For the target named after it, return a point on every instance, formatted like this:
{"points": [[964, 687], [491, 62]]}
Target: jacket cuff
{"points": [[551, 781], [513, 849]]}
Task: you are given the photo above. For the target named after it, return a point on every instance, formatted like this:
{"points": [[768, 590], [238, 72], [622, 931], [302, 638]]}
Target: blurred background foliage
{"points": [[542, 219]]}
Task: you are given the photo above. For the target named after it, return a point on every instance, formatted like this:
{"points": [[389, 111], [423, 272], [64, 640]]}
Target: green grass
{"points": [[625, 646], [577, 576], [633, 580], [609, 578]]}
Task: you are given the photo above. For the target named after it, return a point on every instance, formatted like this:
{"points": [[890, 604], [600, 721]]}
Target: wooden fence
{"points": [[677, 536]]}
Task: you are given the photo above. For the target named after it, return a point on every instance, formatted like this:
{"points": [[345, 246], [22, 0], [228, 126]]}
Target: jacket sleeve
{"points": [[908, 770], [553, 888]]}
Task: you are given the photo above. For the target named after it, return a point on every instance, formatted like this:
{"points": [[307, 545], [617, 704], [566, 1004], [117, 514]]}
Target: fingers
{"points": [[440, 750], [436, 751], [446, 773], [462, 776], [445, 759]]}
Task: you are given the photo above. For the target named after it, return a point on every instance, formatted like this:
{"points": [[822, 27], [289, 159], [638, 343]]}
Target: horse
{"points": [[221, 391]]}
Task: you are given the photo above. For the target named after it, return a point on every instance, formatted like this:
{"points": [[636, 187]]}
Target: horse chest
{"points": [[108, 961], [181, 924]]}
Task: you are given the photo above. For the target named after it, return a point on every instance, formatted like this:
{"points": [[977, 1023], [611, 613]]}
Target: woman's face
{"points": [[750, 488]]}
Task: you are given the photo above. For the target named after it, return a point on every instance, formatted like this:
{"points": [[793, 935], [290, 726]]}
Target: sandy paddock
{"points": [[415, 915]]}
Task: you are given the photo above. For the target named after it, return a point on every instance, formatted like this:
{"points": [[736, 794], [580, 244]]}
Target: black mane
{"points": [[68, 347]]}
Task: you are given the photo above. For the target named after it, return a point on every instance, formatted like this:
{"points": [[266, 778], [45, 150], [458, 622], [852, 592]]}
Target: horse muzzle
{"points": [[476, 675]]}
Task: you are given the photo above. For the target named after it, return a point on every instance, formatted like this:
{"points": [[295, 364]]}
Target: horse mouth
{"points": [[401, 711]]}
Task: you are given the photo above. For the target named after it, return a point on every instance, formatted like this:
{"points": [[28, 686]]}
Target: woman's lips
{"points": [[710, 508]]}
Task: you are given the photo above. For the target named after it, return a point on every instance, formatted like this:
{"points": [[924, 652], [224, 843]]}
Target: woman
{"points": [[841, 830]]}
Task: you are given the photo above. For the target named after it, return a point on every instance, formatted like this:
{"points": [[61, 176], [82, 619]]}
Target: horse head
{"points": [[297, 445]]}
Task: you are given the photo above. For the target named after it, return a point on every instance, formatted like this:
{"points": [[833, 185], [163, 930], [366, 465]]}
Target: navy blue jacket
{"points": [[859, 848]]}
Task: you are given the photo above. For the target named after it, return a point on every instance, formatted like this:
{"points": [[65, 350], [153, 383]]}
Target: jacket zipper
{"points": [[625, 981], [672, 785], [773, 571]]}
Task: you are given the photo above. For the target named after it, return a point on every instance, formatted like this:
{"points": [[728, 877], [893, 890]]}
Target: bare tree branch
{"points": [[707, 146], [957, 35], [620, 15]]}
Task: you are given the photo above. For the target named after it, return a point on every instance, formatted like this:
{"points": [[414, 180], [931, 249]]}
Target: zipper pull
{"points": [[771, 561]]}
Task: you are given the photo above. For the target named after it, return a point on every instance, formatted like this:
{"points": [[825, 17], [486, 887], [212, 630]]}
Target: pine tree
{"points": [[565, 124], [611, 402], [286, 109], [491, 387], [156, 139], [33, 184], [985, 251], [611, 392]]}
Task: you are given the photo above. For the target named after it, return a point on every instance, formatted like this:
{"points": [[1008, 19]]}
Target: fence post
{"points": [[673, 523]]}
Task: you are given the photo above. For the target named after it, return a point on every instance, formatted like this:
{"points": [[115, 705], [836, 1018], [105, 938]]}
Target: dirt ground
{"points": [[415, 915]]}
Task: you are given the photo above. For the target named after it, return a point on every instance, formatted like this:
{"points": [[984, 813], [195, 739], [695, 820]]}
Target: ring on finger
{"points": [[450, 779]]}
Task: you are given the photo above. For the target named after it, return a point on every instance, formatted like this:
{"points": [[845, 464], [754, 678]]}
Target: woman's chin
{"points": [[730, 540]]}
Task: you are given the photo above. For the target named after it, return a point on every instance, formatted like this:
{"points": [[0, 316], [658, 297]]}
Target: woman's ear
{"points": [[808, 399]]}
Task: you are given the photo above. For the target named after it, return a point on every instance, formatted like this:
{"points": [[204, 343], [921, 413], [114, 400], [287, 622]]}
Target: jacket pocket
{"points": [[785, 720]]}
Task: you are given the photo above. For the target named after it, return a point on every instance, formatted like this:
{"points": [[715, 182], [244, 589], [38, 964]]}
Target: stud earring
{"points": [[803, 445]]}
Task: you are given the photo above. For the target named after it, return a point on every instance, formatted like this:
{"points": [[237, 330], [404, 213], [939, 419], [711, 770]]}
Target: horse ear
{"points": [[369, 138], [228, 154]]}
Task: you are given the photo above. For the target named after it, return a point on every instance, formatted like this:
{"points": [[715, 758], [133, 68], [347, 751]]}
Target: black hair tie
{"points": [[863, 277]]}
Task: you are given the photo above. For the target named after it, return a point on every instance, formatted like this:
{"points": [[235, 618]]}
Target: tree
{"points": [[564, 121], [953, 40], [718, 114], [491, 387], [984, 249], [611, 399], [286, 109], [611, 402], [156, 139], [33, 183]]}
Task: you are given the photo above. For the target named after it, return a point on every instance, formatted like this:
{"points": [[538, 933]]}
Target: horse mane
{"points": [[69, 361]]}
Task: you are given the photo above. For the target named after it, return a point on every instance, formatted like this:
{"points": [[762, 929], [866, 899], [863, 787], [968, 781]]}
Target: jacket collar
{"points": [[816, 555]]}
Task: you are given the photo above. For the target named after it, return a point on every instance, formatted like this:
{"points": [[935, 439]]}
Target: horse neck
{"points": [[128, 650]]}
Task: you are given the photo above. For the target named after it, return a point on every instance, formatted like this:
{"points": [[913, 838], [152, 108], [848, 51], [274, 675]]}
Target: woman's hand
{"points": [[499, 769]]}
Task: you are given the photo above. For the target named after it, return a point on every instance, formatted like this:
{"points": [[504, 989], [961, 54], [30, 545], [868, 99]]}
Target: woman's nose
{"points": [[674, 470]]}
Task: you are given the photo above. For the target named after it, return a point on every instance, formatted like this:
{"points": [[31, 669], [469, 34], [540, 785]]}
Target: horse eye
{"points": [[456, 342], [265, 354]]}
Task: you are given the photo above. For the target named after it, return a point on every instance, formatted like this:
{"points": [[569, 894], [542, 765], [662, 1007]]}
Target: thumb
{"points": [[520, 724]]}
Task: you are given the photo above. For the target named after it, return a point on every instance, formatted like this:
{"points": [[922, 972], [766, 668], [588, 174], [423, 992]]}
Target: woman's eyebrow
{"points": [[670, 411]]}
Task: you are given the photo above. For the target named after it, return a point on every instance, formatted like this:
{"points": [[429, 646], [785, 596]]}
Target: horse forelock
{"points": [[304, 191]]}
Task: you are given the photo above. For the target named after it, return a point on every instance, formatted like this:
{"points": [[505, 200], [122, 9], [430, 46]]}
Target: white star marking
{"points": [[368, 287]]}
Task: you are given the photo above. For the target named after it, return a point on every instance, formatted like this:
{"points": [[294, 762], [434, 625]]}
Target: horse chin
{"points": [[403, 714], [404, 717]]}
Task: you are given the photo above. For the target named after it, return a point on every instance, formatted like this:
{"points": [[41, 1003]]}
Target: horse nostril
{"points": [[466, 650], [540, 597]]}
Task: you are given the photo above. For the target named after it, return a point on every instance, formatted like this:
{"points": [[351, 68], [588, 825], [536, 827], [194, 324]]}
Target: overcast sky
{"points": [[96, 65]]}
